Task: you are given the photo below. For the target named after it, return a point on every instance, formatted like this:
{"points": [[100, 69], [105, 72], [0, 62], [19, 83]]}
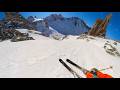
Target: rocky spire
{"points": [[99, 28]]}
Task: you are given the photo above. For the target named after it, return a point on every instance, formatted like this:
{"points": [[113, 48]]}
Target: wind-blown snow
{"points": [[39, 58]]}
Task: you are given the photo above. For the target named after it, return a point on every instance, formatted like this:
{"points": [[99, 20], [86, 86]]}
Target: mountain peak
{"points": [[54, 17]]}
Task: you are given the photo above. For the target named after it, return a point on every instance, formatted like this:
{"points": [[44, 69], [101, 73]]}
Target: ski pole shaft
{"points": [[106, 68]]}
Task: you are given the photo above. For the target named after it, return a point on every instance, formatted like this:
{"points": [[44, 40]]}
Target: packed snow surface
{"points": [[40, 58]]}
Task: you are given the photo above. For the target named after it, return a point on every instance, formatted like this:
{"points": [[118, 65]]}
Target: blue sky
{"points": [[113, 29]]}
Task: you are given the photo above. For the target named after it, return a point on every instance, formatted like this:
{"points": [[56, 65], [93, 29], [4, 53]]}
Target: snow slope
{"points": [[39, 58]]}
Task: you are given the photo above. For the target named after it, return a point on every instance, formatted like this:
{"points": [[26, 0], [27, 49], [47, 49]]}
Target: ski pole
{"points": [[106, 68]]}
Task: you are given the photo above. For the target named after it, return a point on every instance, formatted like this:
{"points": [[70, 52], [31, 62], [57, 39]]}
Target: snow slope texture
{"points": [[39, 58]]}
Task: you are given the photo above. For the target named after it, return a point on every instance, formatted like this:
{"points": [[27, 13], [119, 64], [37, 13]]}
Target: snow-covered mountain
{"points": [[42, 26], [39, 58], [58, 26], [67, 26]]}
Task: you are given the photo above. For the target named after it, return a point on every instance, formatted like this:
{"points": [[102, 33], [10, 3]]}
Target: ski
{"points": [[74, 64], [83, 69], [69, 69]]}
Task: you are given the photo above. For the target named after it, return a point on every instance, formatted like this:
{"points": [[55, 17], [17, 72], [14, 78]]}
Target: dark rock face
{"points": [[21, 38], [6, 34], [14, 35], [99, 28]]}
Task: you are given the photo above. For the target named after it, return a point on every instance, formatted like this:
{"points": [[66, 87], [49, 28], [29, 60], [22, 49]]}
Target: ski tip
{"points": [[60, 60], [67, 59]]}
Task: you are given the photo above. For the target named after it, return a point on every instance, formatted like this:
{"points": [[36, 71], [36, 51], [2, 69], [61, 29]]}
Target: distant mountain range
{"points": [[58, 24]]}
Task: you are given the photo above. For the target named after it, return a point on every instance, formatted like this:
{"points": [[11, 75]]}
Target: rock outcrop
{"points": [[99, 28], [112, 50], [9, 26], [14, 35], [16, 20]]}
